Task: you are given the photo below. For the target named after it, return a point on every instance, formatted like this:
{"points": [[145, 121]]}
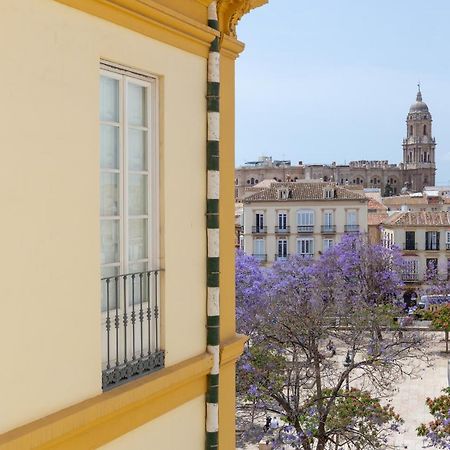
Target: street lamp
{"points": [[347, 364]]}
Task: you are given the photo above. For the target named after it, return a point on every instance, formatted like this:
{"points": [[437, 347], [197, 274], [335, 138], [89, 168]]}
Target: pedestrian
{"points": [[267, 425], [274, 423]]}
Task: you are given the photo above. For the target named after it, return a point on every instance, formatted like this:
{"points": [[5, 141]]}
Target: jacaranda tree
{"points": [[323, 345]]}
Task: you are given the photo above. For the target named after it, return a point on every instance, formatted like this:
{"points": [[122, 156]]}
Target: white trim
{"points": [[213, 301]]}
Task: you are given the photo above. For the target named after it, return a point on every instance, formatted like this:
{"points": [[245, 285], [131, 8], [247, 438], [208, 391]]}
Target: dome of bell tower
{"points": [[419, 105]]}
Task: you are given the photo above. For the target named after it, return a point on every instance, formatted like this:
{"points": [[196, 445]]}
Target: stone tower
{"points": [[419, 147]]}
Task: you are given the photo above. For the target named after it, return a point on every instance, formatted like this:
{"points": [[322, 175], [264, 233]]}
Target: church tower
{"points": [[419, 147]]}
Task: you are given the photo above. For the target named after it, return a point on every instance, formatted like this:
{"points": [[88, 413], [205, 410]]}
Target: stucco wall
{"points": [[49, 192], [179, 429], [271, 209]]}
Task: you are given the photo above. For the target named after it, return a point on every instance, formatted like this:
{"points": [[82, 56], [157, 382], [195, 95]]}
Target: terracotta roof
{"points": [[374, 204], [404, 200], [304, 191], [419, 218], [376, 218]]}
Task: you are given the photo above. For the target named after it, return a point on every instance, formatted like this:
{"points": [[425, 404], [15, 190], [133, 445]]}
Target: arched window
{"points": [[252, 181], [256, 181], [424, 130], [410, 130]]}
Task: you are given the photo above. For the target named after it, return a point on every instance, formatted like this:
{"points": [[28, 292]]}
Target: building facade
{"points": [[300, 219], [424, 238], [416, 171], [113, 333]]}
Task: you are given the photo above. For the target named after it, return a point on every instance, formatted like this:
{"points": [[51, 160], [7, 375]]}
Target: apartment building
{"points": [[428, 200], [300, 218], [424, 238], [113, 335]]}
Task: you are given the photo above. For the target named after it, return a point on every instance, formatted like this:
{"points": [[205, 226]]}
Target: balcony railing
{"points": [[131, 321], [447, 245], [259, 257], [305, 255], [351, 228], [283, 230], [410, 277], [259, 230], [305, 228], [433, 247], [281, 257], [410, 246], [328, 229]]}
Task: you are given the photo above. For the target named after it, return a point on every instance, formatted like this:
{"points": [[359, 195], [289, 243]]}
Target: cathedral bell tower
{"points": [[419, 146]]}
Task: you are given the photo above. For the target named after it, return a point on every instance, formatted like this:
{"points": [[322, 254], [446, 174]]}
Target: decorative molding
{"points": [[231, 11], [231, 349], [151, 19], [99, 420]]}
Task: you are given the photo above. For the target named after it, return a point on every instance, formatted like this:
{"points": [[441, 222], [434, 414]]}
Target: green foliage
{"points": [[441, 318]]}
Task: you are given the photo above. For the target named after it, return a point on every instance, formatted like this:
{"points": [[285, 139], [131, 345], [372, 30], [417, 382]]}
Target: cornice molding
{"points": [[231, 11], [150, 18]]}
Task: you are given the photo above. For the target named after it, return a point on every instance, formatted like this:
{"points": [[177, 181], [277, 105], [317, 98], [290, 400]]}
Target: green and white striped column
{"points": [[212, 212]]}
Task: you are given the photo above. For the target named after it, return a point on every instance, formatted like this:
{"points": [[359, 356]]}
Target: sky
{"points": [[333, 80]]}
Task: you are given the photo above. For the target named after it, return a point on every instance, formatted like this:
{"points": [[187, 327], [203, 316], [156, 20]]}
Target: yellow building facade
{"points": [[141, 66]]}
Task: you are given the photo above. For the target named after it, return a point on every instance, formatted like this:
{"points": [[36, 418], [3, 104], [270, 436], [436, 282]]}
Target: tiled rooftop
{"points": [[376, 218], [304, 191], [419, 218]]}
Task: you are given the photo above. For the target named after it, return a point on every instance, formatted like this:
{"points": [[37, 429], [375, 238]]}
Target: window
{"points": [[447, 240], [411, 270], [259, 221], [432, 240], [305, 247], [424, 130], [410, 130], [282, 221], [328, 220], [327, 244], [282, 245], [128, 174], [305, 217], [328, 193], [352, 217], [129, 223], [432, 265], [410, 240], [259, 248]]}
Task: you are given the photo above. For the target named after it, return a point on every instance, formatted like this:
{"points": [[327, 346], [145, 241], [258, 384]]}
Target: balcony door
{"points": [[282, 221], [410, 240], [259, 221], [282, 249]]}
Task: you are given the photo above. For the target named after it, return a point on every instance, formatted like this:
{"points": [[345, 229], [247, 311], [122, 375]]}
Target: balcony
{"points": [[328, 229], [447, 246], [131, 326], [410, 246], [281, 257], [351, 228], [432, 248], [282, 230], [305, 228], [260, 258], [305, 255], [259, 230], [410, 277]]}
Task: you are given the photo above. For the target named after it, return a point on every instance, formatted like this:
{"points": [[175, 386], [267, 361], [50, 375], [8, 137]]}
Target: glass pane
{"points": [[109, 99], [140, 282], [109, 147], [108, 287], [109, 194], [137, 154], [109, 237], [136, 105], [137, 245], [137, 195]]}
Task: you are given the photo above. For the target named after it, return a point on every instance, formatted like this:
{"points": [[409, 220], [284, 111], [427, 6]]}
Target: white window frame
{"points": [[328, 213], [280, 216], [305, 246], [327, 244], [305, 213], [351, 213], [259, 240], [125, 76], [285, 248]]}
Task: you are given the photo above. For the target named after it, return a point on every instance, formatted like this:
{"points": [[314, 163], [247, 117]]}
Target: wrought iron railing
{"points": [[351, 228], [410, 246], [259, 230], [305, 228], [328, 229], [260, 257], [281, 257], [410, 276], [447, 245], [283, 230], [131, 323]]}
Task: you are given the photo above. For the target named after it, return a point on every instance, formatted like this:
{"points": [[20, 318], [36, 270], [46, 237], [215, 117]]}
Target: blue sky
{"points": [[332, 80]]}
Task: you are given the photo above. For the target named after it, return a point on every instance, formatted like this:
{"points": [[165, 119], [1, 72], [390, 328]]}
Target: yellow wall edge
{"points": [[153, 20], [101, 419], [232, 349]]}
